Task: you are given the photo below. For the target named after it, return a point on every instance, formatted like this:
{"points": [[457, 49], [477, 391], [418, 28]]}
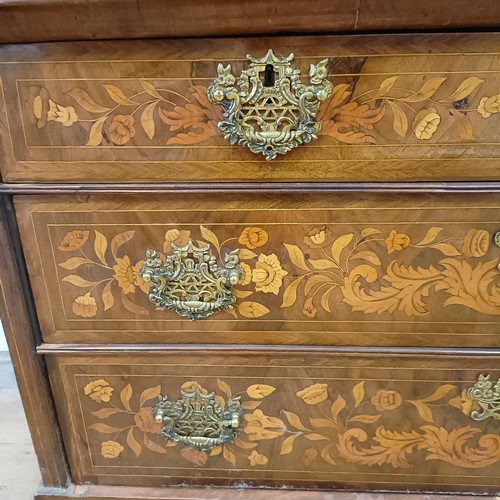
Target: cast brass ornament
{"points": [[197, 420], [497, 243], [488, 397], [190, 282], [268, 108]]}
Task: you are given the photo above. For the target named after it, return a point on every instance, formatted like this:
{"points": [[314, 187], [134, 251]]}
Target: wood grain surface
{"points": [[29, 368], [345, 269], [311, 420], [403, 108], [27, 20]]}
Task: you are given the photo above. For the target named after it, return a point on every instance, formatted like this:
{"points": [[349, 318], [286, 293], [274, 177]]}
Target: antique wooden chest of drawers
{"points": [[254, 273]]}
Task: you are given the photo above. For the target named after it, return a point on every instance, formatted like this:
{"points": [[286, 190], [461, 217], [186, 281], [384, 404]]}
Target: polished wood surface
{"points": [[403, 108], [29, 368], [27, 20], [345, 269], [311, 419]]}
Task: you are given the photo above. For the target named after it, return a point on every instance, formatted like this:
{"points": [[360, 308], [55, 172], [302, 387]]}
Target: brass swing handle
{"points": [[197, 420], [190, 282]]}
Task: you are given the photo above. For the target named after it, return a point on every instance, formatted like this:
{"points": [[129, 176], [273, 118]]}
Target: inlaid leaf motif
{"points": [[328, 110], [151, 445], [326, 456], [86, 102], [315, 437], [241, 443], [216, 451], [210, 236], [339, 244], [325, 299], [359, 393], [427, 90], [105, 412], [229, 456], [150, 89], [322, 422], [118, 96], [367, 255], [290, 293], [100, 246], [251, 309], [259, 391], [95, 133], [119, 240], [107, 296], [385, 87], [296, 256], [313, 280], [250, 405], [294, 420], [125, 396], [133, 444], [224, 387], [337, 406], [147, 119], [132, 307], [424, 411], [465, 88], [104, 428], [400, 120], [74, 263], [365, 419], [369, 231], [431, 235], [246, 254], [464, 126], [76, 280], [321, 264], [287, 444], [148, 394]]}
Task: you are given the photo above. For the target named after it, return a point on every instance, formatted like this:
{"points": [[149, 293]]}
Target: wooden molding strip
{"points": [[251, 187]]}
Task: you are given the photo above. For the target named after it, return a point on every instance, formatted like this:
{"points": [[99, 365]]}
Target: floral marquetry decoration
{"points": [[367, 423]]}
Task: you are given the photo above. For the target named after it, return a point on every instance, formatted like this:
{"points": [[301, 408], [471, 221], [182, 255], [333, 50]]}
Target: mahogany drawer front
{"points": [[335, 269], [310, 419], [407, 107]]}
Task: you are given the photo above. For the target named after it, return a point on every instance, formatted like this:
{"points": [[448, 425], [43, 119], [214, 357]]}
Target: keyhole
{"points": [[269, 76]]}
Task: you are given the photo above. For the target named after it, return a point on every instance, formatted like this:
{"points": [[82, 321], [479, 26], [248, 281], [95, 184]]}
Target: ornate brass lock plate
{"points": [[197, 420], [268, 108], [190, 282], [487, 394]]}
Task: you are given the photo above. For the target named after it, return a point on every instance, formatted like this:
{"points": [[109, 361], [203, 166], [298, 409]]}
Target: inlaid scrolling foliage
{"points": [[417, 110], [366, 423], [363, 270]]}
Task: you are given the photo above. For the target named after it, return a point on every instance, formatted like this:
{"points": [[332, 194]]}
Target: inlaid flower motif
{"points": [[99, 391], [309, 456], [85, 306], [268, 274], [386, 400], [489, 105], [476, 243], [396, 241], [40, 99], [194, 456], [145, 421], [246, 274], [314, 394], [111, 449], [464, 403], [318, 237], [309, 310], [256, 458], [122, 129], [253, 237], [179, 238], [426, 123], [62, 114], [74, 240], [260, 426], [128, 276]]}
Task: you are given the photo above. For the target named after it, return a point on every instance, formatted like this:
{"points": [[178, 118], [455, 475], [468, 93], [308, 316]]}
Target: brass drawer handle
{"points": [[190, 282], [268, 108], [488, 397], [197, 420]]}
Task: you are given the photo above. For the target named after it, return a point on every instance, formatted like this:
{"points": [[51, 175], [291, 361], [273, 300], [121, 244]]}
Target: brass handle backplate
{"points": [[267, 107], [197, 420], [487, 395], [190, 282]]}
